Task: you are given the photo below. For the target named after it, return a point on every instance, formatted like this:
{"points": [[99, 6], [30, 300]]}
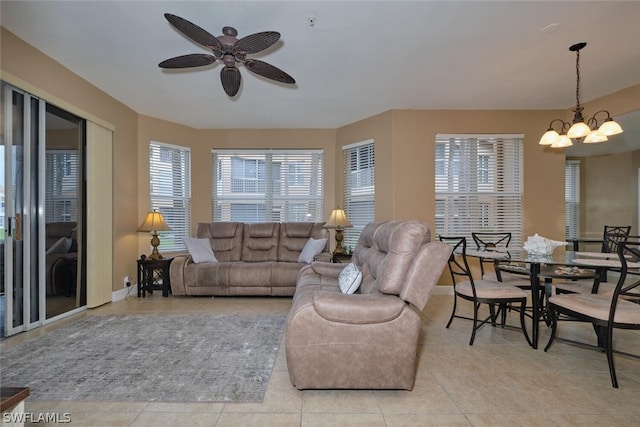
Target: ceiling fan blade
{"points": [[267, 70], [188, 61], [194, 32], [230, 77], [256, 42]]}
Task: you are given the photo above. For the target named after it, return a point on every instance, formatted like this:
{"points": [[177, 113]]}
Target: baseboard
{"points": [[124, 292]]}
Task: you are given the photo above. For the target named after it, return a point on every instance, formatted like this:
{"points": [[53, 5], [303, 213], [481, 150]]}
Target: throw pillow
{"points": [[61, 246], [311, 250], [200, 250], [349, 279]]}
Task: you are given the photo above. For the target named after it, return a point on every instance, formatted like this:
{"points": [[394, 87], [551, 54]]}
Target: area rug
{"points": [[154, 357]]}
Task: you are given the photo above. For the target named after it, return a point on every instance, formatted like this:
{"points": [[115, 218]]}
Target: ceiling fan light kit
{"points": [[228, 49], [589, 131]]}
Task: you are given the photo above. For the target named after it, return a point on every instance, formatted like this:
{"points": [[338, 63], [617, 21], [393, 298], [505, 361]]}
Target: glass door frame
{"points": [[19, 224]]}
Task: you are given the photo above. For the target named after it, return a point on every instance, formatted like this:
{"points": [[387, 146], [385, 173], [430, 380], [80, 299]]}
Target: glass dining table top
{"points": [[558, 257]]}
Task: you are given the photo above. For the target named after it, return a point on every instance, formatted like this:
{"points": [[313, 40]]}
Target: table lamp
{"points": [[338, 220], [154, 222]]}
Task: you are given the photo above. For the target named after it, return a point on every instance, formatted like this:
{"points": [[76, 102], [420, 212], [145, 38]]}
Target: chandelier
{"points": [[592, 131]]}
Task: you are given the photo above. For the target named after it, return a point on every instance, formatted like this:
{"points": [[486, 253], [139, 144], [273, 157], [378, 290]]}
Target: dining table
{"points": [[561, 264]]}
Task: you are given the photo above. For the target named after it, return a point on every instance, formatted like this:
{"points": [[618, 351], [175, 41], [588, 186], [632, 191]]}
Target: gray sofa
{"points": [[253, 259], [369, 339]]}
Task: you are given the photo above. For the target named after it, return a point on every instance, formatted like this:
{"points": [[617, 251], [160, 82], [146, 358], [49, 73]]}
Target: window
{"points": [[61, 182], [170, 189], [359, 188], [572, 198], [267, 185], [479, 185]]}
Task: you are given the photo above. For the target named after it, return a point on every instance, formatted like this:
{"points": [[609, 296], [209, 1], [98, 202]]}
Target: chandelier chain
{"points": [[577, 79]]}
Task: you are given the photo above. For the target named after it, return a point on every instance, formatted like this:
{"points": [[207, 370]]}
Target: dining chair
{"points": [[486, 240], [612, 237], [605, 312], [490, 292]]}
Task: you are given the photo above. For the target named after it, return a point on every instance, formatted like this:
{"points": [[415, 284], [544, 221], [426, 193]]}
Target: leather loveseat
{"points": [[251, 259], [368, 339]]}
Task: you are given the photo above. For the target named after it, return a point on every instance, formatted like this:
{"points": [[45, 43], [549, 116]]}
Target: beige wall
{"points": [[201, 142], [609, 192], [404, 151], [405, 161], [28, 69]]}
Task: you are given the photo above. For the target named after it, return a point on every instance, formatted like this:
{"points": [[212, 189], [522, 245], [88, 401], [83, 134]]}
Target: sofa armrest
{"points": [[324, 257], [327, 268], [176, 274], [318, 270], [357, 308]]}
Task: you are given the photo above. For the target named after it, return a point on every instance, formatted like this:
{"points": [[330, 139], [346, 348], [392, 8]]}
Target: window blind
{"points": [[478, 183], [359, 188], [572, 198], [170, 191], [267, 185], [61, 185]]}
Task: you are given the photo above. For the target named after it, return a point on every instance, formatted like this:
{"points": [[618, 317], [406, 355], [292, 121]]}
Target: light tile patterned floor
{"points": [[499, 381]]}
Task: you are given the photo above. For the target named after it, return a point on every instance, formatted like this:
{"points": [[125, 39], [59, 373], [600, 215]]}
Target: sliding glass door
{"points": [[22, 120], [39, 186]]}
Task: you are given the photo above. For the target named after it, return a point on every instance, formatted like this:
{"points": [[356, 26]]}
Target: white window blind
{"points": [[170, 191], [267, 185], [359, 188], [479, 185], [572, 198], [61, 185]]}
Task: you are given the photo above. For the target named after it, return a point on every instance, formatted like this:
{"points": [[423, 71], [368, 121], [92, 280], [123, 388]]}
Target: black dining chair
{"points": [[490, 292], [619, 310], [486, 240], [612, 237]]}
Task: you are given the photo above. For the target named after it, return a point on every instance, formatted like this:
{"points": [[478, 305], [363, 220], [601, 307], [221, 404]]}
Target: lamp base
{"points": [[155, 242], [339, 239]]}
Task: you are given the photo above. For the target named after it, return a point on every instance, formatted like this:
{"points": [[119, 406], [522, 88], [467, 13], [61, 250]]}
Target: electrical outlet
{"points": [[127, 281]]}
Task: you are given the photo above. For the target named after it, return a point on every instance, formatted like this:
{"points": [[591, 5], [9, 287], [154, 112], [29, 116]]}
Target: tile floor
{"points": [[499, 381]]}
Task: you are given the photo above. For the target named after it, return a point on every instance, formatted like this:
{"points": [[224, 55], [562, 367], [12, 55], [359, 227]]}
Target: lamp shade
{"points": [[563, 141], [549, 137], [578, 130], [154, 222], [338, 219], [609, 128], [595, 137]]}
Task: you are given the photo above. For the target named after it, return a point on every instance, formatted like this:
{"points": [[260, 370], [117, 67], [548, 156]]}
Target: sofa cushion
{"points": [[213, 275], [260, 242], [294, 236], [384, 252], [61, 246], [251, 274], [225, 238], [311, 249], [200, 249], [349, 279]]}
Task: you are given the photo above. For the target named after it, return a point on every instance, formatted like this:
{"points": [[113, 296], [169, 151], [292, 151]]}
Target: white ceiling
{"points": [[360, 58]]}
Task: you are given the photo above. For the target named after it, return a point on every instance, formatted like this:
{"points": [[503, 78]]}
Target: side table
{"points": [[341, 258], [153, 275]]}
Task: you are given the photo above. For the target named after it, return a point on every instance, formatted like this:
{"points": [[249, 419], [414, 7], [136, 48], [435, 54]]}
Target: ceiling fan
{"points": [[228, 49]]}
